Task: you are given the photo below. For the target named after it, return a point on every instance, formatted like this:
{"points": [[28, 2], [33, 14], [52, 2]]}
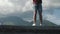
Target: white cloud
{"points": [[46, 4], [18, 5], [28, 5], [5, 3], [7, 7], [50, 3], [55, 3]]}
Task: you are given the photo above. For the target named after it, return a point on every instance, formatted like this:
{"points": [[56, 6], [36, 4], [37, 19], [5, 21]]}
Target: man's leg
{"points": [[35, 13], [40, 17], [40, 14], [34, 17]]}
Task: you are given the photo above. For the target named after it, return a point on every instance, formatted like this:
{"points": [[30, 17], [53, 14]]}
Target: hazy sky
{"points": [[8, 6], [11, 6]]}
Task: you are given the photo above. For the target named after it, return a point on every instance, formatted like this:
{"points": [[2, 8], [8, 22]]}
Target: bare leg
{"points": [[40, 14], [35, 13], [34, 17], [40, 17]]}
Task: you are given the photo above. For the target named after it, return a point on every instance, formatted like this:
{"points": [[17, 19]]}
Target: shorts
{"points": [[38, 8]]}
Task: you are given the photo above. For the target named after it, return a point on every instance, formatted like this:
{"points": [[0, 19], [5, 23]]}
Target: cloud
{"points": [[55, 3], [11, 6], [7, 7], [5, 3], [46, 4], [28, 5]]}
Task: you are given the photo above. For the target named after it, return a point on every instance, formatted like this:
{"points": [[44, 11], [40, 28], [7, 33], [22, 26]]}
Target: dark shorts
{"points": [[38, 8]]}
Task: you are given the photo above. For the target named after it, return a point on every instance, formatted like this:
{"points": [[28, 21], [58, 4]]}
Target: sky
{"points": [[11, 6]]}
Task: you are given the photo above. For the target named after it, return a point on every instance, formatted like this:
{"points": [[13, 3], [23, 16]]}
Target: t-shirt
{"points": [[37, 1]]}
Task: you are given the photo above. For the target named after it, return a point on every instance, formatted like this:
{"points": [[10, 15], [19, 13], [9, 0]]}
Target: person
{"points": [[38, 8]]}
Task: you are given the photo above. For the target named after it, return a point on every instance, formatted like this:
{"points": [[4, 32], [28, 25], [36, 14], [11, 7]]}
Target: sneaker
{"points": [[40, 24], [33, 24]]}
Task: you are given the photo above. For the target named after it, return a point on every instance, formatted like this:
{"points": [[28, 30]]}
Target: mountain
{"points": [[16, 13], [13, 20]]}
